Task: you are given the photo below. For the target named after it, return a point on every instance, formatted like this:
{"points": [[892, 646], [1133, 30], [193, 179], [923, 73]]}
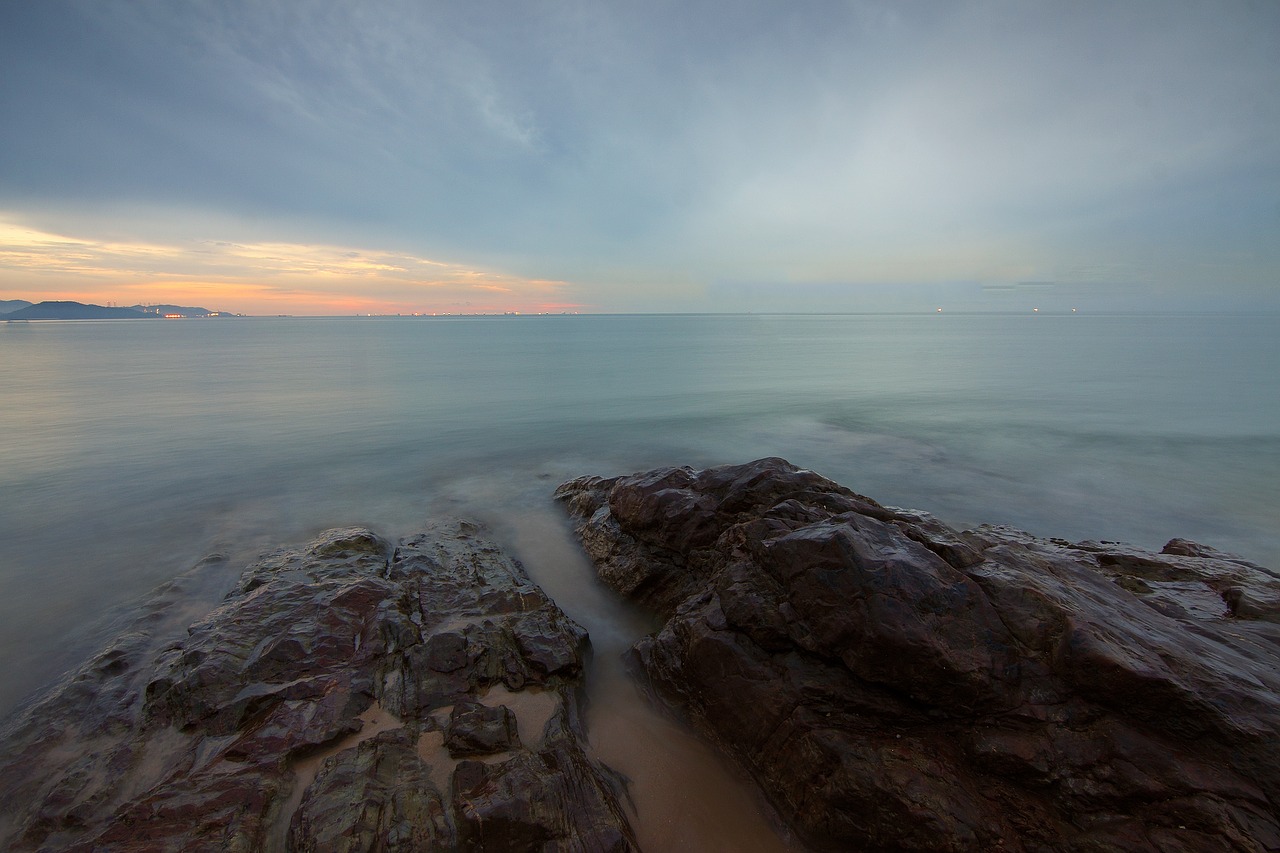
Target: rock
{"points": [[476, 729], [325, 705], [379, 795], [520, 803], [893, 684]]}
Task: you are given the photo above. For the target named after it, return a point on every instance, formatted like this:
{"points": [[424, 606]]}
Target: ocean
{"points": [[130, 449]]}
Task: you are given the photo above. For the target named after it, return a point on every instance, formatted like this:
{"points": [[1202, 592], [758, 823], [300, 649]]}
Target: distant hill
{"points": [[183, 310], [7, 305], [21, 309], [73, 311]]}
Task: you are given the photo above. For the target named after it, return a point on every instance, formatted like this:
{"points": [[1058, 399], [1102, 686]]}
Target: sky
{"points": [[339, 156]]}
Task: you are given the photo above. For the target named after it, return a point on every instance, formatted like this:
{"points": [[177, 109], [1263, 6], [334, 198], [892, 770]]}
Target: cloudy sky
{"points": [[337, 156]]}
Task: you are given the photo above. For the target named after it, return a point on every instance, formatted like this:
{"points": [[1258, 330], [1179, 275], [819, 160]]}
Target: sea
{"points": [[130, 449]]}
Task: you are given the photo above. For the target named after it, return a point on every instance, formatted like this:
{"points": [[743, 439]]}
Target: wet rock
{"points": [[476, 729], [323, 706], [520, 803], [893, 684], [377, 796]]}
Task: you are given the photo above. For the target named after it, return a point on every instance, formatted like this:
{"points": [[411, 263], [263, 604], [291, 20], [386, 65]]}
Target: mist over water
{"points": [[130, 449]]}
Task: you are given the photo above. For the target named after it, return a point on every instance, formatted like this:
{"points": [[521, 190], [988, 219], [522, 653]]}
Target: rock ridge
{"points": [[894, 684], [348, 695]]}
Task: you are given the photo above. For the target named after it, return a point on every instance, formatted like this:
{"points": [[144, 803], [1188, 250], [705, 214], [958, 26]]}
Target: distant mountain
{"points": [[181, 310], [73, 311], [7, 305]]}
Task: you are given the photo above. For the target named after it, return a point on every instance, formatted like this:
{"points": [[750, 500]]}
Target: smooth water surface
{"points": [[130, 449]]}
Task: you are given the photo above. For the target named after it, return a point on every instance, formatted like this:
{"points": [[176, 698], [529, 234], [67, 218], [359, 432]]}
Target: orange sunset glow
{"points": [[262, 277]]}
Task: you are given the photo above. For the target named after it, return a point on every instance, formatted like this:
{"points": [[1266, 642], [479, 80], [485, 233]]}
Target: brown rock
{"points": [[893, 684], [476, 729], [312, 711], [377, 796]]}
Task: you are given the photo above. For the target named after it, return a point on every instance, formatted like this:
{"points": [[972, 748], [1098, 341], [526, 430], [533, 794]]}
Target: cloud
{"points": [[246, 276], [650, 149]]}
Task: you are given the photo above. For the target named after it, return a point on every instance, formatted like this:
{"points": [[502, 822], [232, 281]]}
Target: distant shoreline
{"points": [[18, 316], [69, 310]]}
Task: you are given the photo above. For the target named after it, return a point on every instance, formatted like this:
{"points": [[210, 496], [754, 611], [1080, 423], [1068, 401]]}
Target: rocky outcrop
{"points": [[893, 684], [347, 696]]}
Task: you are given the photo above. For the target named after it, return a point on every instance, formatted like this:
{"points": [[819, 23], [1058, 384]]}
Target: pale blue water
{"points": [[129, 449]]}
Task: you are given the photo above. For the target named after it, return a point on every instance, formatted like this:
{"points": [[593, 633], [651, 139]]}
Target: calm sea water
{"points": [[130, 449]]}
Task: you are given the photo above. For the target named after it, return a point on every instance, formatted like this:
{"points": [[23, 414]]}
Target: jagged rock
{"points": [[310, 711], [476, 729], [377, 796], [893, 684], [520, 803]]}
